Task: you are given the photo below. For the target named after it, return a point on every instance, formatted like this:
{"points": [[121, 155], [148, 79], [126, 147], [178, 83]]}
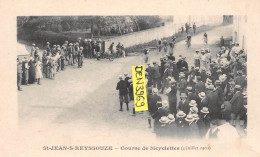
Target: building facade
{"points": [[239, 30]]}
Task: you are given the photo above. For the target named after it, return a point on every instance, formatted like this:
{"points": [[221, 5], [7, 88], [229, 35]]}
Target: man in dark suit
{"points": [[156, 76], [199, 86], [237, 107], [149, 75], [171, 57], [184, 104], [239, 79], [220, 93], [171, 93], [184, 63], [193, 96], [213, 106], [123, 93]]}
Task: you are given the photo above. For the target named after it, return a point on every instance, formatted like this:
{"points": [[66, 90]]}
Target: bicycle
{"points": [[188, 43], [107, 55]]}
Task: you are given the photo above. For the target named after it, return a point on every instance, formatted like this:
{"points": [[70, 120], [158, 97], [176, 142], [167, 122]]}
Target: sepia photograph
{"points": [[74, 73]]}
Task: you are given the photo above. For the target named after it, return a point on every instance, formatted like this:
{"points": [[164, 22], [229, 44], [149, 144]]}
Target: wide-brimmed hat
{"points": [[189, 118], [194, 109], [164, 120], [183, 95], [173, 81], [189, 88], [202, 95], [171, 118], [180, 114], [204, 110], [165, 103], [155, 90], [222, 78], [70, 44], [48, 43], [197, 68], [182, 75], [197, 50], [193, 103], [195, 116]]}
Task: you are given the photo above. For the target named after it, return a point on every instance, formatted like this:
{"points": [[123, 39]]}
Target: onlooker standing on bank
{"points": [[19, 75]]}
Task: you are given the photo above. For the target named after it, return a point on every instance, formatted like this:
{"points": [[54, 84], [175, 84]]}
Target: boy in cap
{"points": [[123, 93]]}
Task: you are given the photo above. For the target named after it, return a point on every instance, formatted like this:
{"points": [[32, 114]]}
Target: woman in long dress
{"points": [[31, 71], [38, 72]]}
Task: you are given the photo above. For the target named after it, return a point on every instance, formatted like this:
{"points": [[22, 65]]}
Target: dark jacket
{"points": [[237, 103], [122, 87], [200, 87], [184, 106], [212, 99], [156, 71]]}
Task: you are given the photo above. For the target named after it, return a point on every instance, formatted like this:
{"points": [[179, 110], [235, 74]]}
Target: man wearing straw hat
{"points": [[171, 92], [123, 92], [162, 111], [181, 125], [162, 128], [184, 103], [213, 105], [172, 126], [237, 106], [205, 121]]}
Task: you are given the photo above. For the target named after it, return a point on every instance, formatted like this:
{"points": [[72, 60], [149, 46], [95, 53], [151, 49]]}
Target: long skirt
{"points": [[31, 75], [38, 73]]}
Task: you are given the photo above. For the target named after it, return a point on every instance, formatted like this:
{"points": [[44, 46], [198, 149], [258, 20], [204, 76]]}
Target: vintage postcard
{"points": [[89, 81]]}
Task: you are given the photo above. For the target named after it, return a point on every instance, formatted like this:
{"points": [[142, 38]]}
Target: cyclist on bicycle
{"points": [[188, 39], [205, 37]]}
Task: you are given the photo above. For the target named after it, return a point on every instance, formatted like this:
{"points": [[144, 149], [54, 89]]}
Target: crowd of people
{"points": [[212, 92], [31, 69]]}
